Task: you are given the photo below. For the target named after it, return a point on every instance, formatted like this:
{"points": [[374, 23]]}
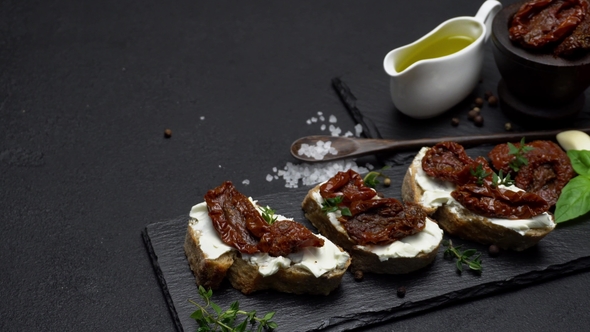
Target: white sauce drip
{"points": [[438, 193], [318, 261]]}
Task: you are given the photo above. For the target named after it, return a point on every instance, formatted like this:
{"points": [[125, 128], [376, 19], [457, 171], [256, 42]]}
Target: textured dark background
{"points": [[87, 89]]}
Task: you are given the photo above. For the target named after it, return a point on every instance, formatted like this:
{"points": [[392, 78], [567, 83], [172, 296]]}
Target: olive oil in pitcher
{"points": [[432, 47]]}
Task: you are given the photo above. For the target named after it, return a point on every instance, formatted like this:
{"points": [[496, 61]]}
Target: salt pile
{"points": [[317, 151], [311, 174]]}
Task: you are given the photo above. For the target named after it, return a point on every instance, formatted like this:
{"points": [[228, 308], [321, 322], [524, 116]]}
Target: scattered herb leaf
{"points": [[501, 180], [518, 153], [335, 204], [372, 178], [268, 214], [479, 173], [225, 321], [469, 257]]}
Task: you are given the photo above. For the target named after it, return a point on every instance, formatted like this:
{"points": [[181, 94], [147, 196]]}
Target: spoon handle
{"points": [[481, 139]]}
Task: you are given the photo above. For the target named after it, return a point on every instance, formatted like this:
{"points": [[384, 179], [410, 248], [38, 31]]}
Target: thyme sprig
{"points": [[501, 180], [371, 179], [225, 321], [335, 204], [469, 257], [479, 173], [268, 214], [518, 153]]}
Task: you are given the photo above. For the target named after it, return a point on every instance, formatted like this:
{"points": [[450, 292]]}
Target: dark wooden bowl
{"points": [[535, 85]]}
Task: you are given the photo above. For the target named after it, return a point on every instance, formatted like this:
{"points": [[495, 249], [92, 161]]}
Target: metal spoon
{"points": [[350, 147]]}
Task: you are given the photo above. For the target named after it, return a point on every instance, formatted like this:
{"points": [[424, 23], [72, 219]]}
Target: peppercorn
{"points": [[455, 122], [387, 182], [493, 250], [473, 113], [478, 120], [478, 102], [493, 101], [487, 95], [401, 291], [358, 275], [508, 126], [167, 133]]}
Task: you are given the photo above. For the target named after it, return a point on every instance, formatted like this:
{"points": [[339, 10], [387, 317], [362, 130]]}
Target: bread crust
{"points": [[209, 273], [470, 226], [411, 191], [467, 225], [362, 260], [245, 277]]}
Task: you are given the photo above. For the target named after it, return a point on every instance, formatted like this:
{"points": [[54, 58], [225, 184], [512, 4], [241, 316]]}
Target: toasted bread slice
{"points": [[403, 256], [304, 272], [434, 197]]}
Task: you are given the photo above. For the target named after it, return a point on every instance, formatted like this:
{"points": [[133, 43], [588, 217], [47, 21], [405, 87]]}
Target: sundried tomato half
{"points": [[348, 184], [445, 161], [383, 221], [494, 202]]}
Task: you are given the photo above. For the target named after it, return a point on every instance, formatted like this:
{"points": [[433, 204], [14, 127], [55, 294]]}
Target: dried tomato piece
{"points": [[236, 220], [445, 161], [545, 177], [240, 225], [494, 202], [383, 221], [500, 157], [389, 206], [478, 171], [547, 171], [539, 23], [286, 237], [349, 184], [541, 150], [578, 43]]}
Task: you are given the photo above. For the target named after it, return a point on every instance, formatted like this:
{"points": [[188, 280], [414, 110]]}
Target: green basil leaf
{"points": [[580, 161], [574, 200]]}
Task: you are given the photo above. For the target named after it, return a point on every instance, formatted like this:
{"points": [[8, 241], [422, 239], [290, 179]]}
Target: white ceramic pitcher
{"points": [[425, 85]]}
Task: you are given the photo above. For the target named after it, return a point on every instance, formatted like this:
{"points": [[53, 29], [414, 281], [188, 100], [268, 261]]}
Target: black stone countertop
{"points": [[87, 90]]}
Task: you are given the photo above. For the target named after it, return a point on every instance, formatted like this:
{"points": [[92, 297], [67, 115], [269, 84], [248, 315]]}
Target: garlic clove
{"points": [[573, 140]]}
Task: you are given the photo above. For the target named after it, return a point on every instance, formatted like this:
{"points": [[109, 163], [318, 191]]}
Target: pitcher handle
{"points": [[486, 14]]}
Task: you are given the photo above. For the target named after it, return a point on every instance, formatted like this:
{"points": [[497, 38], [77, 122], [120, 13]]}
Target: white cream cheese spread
{"points": [[438, 193], [423, 242], [318, 261]]}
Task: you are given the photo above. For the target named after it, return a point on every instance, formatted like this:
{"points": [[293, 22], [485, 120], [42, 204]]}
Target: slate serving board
{"points": [[373, 300]]}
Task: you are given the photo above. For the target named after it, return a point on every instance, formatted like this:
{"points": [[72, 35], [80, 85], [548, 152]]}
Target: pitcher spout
{"points": [[389, 64]]}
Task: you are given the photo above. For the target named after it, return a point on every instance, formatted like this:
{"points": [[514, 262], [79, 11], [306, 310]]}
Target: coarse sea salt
{"points": [[310, 174], [334, 131], [358, 130], [317, 151]]}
